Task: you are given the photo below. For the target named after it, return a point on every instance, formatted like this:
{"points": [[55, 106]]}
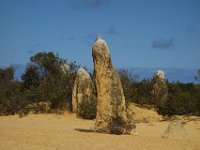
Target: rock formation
{"points": [[111, 109], [84, 95], [65, 68], [159, 90], [175, 130]]}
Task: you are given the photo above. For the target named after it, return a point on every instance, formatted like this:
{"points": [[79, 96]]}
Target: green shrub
{"points": [[119, 126], [86, 110], [183, 99]]}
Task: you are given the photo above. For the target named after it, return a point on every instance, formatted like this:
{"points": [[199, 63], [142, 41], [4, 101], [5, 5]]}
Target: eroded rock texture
{"points": [[84, 95], [175, 131], [111, 109], [159, 89]]}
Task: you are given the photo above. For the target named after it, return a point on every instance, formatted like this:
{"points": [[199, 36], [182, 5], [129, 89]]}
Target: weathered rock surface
{"points": [[175, 130], [65, 68], [111, 114], [83, 94], [159, 89]]}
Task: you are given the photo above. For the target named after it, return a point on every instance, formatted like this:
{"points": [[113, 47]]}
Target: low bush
{"points": [[87, 110]]}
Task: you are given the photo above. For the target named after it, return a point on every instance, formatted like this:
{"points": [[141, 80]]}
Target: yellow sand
{"points": [[66, 132]]}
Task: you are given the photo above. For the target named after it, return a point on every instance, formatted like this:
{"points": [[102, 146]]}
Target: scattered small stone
{"points": [[175, 130]]}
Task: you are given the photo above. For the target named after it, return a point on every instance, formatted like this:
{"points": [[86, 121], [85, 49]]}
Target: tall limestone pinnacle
{"points": [[111, 109]]}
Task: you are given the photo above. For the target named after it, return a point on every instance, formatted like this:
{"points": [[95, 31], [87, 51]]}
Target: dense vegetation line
{"points": [[46, 86]]}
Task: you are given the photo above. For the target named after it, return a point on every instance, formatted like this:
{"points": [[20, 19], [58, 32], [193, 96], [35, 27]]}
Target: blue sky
{"points": [[140, 33]]}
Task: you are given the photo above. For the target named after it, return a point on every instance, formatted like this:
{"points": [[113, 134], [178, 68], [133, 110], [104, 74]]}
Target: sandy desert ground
{"points": [[66, 132]]}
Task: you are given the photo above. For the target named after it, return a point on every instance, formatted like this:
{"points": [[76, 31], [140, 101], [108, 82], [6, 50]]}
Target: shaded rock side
{"points": [[84, 93], [175, 131], [111, 115]]}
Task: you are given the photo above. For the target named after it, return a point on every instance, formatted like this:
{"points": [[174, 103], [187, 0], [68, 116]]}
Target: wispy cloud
{"points": [[91, 35], [190, 28], [63, 38], [112, 31], [71, 38], [163, 43], [89, 38], [95, 3], [89, 3]]}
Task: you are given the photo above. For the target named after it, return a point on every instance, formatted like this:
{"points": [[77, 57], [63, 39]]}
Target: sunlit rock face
{"points": [[84, 91], [159, 90], [111, 115], [175, 130], [65, 68], [160, 74]]}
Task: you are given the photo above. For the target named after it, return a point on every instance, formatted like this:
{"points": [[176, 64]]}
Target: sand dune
{"points": [[66, 132]]}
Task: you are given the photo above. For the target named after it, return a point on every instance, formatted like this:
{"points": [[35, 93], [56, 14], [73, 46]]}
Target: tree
{"points": [[184, 99], [47, 62], [142, 94], [49, 79], [11, 95], [31, 77], [7, 74], [127, 79]]}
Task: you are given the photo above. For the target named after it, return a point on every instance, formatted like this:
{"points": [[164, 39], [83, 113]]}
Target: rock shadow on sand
{"points": [[83, 130]]}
